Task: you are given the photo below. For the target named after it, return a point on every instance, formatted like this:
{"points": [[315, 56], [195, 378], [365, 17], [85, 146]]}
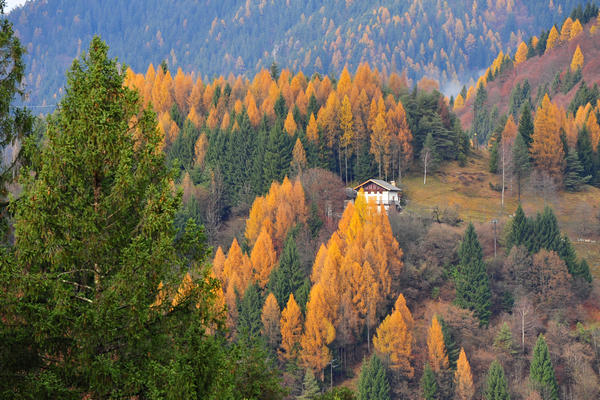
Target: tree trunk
{"points": [[425, 161], [346, 163], [502, 177]]}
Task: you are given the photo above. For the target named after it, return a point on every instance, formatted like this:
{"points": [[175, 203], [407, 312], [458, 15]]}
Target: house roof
{"points": [[381, 183]]}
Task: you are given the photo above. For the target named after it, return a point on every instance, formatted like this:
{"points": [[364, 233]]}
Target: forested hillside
{"points": [[449, 41]]}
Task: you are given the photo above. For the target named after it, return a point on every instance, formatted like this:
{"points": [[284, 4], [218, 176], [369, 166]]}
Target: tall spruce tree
{"points": [[520, 162], [452, 348], [278, 154], [546, 233], [526, 124], [310, 386], [574, 178], [288, 277], [585, 153], [96, 259], [249, 313], [472, 282], [541, 371], [429, 385], [496, 387], [373, 383], [521, 230]]}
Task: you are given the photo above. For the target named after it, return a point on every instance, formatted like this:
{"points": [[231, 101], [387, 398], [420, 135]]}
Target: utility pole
{"points": [[494, 222]]}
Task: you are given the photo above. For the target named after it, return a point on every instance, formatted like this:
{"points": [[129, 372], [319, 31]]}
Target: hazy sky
{"points": [[10, 4]]}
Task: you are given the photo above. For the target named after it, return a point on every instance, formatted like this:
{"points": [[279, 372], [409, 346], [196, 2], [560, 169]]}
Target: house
{"points": [[381, 193]]}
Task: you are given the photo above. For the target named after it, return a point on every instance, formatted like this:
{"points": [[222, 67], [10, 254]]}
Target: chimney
{"points": [[393, 183]]}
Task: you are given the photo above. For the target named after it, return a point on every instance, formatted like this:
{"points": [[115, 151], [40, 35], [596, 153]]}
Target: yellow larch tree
{"points": [[576, 29], [459, 102], [312, 130], [194, 117], [344, 84], [509, 133], [380, 143], [577, 60], [521, 54], [319, 332], [291, 329], [594, 129], [393, 340], [195, 99], [463, 379], [347, 129], [252, 110], [290, 124], [552, 39], [546, 148], [226, 121], [400, 305], [200, 148], [239, 265], [182, 86], [298, 162], [565, 32], [436, 349], [218, 264], [271, 317], [263, 258]]}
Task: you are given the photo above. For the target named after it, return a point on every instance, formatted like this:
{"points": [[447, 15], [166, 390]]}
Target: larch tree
{"points": [[521, 54], [393, 340], [312, 130], [263, 258], [271, 317], [290, 125], [552, 39], [577, 60], [546, 147], [347, 129], [436, 350], [299, 162], [565, 32], [403, 139], [319, 332], [291, 330], [463, 379], [380, 143], [576, 29]]}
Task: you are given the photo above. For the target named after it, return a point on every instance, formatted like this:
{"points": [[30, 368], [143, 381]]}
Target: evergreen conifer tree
{"points": [[526, 124], [249, 314], [288, 277], [521, 162], [546, 234], [429, 385], [373, 382], [541, 371], [472, 282], [493, 166], [574, 178], [452, 348], [585, 153], [521, 230], [278, 154], [496, 387], [310, 386]]}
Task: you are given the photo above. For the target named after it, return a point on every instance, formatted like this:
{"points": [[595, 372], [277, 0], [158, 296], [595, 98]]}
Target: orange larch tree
{"points": [[394, 340], [546, 148], [436, 349], [577, 60], [463, 379], [552, 39], [271, 319], [290, 124], [521, 54], [263, 258], [291, 329]]}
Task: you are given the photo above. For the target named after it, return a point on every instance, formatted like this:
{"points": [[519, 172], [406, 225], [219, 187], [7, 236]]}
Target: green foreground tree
{"points": [[373, 382], [496, 387], [541, 371]]}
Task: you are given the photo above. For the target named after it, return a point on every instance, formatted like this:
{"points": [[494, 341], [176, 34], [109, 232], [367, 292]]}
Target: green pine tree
{"points": [[541, 371], [493, 165], [249, 314], [521, 230], [520, 162], [94, 240], [546, 233], [472, 282], [278, 154], [310, 386], [373, 382], [288, 277], [573, 177], [525, 128], [429, 385], [585, 152], [452, 348], [504, 340], [496, 387]]}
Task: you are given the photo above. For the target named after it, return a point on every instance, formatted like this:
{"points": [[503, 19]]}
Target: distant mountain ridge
{"points": [[449, 41]]}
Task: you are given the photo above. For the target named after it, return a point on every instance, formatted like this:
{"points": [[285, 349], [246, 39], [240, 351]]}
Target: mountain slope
{"points": [[450, 41]]}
